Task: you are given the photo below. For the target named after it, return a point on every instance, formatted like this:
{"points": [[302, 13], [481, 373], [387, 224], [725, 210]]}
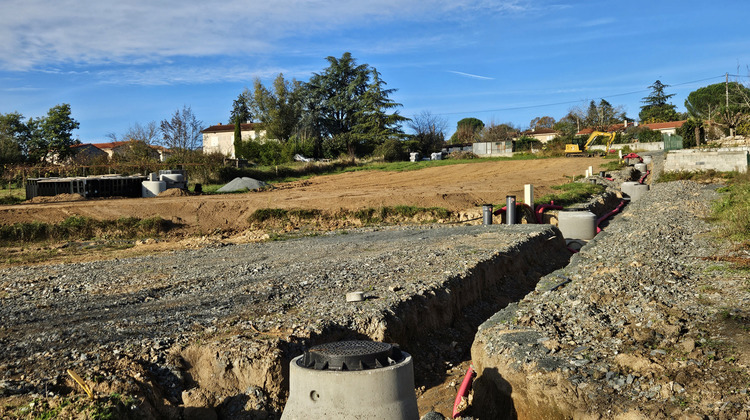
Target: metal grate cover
{"points": [[351, 355]]}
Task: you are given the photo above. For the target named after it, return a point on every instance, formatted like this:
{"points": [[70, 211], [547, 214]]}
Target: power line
{"points": [[516, 108]]}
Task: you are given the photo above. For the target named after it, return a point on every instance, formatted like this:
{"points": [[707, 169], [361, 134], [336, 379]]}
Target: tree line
{"points": [[346, 111], [712, 111]]}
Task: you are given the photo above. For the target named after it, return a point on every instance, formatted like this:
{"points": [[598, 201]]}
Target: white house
{"points": [[665, 127], [220, 138], [542, 134]]}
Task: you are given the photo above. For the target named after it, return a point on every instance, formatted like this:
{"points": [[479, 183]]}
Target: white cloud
{"points": [[38, 33], [179, 74]]}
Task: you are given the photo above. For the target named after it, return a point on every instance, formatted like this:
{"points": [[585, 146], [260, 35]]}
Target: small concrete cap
{"points": [[355, 296]]}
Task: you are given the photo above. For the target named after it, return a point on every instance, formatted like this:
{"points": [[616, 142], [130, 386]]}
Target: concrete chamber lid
{"points": [[351, 355]]}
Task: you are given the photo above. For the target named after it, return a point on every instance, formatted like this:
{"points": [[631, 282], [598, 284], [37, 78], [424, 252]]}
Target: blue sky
{"points": [[133, 61]]}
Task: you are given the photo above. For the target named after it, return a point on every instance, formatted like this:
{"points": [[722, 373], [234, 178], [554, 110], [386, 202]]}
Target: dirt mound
{"points": [[59, 198], [174, 192]]}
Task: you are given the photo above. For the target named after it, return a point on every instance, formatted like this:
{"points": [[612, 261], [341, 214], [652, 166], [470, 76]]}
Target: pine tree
{"points": [[656, 108]]}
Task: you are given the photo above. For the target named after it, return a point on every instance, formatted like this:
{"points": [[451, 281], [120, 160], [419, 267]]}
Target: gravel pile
{"points": [[241, 184], [638, 322]]}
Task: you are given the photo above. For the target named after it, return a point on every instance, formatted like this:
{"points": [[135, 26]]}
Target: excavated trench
{"points": [[246, 374], [433, 325]]}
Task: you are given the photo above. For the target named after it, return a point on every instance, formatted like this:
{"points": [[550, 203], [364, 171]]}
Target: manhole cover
{"points": [[351, 355]]}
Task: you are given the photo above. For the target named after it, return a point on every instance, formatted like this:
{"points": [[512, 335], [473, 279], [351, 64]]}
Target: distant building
{"points": [[220, 138], [87, 151], [665, 127], [542, 134], [93, 150]]}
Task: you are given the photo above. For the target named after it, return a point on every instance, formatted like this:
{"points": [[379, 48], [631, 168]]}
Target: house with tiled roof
{"points": [[542, 134], [87, 150], [664, 127], [220, 138], [113, 148]]}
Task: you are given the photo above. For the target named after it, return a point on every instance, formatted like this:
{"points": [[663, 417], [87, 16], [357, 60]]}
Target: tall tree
{"points": [[240, 114], [374, 121], [704, 103], [279, 109], [240, 109], [52, 135], [468, 130], [352, 105], [656, 108], [600, 117], [14, 134], [182, 132]]}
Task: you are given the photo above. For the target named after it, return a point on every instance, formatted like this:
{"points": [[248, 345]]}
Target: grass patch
{"points": [[732, 210], [83, 228], [697, 176], [113, 406], [366, 216], [298, 171], [9, 196], [572, 193], [613, 165]]}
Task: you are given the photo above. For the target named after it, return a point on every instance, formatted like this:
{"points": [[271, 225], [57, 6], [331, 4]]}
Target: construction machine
{"points": [[574, 150]]}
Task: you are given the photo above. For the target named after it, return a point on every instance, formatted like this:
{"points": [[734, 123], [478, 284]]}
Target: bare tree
{"points": [[182, 132], [148, 133], [429, 131]]}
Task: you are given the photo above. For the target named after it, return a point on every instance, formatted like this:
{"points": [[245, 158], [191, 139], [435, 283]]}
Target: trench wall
{"points": [[237, 367]]}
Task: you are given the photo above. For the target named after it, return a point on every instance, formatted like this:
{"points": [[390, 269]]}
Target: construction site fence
{"points": [[15, 176]]}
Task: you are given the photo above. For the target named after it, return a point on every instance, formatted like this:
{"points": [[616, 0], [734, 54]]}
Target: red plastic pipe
{"points": [[608, 215], [644, 177], [542, 207], [463, 391]]}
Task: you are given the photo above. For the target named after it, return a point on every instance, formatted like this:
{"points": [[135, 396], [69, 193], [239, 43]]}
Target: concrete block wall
{"points": [[724, 160], [657, 145]]}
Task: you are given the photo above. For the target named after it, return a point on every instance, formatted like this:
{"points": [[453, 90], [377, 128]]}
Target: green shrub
{"points": [[392, 150]]}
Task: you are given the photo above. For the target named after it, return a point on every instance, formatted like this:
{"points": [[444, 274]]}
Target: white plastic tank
{"points": [[577, 224], [639, 190], [627, 187], [352, 380], [171, 177], [152, 188]]}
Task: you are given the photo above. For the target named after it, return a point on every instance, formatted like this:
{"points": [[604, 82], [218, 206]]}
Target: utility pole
{"points": [[726, 85]]}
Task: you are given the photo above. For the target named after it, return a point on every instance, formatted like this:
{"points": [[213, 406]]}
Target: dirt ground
{"points": [[458, 188]]}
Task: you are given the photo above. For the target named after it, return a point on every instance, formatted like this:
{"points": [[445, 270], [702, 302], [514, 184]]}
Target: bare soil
{"points": [[458, 188]]}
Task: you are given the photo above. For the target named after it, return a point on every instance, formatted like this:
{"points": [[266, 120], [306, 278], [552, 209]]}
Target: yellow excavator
{"points": [[574, 150]]}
